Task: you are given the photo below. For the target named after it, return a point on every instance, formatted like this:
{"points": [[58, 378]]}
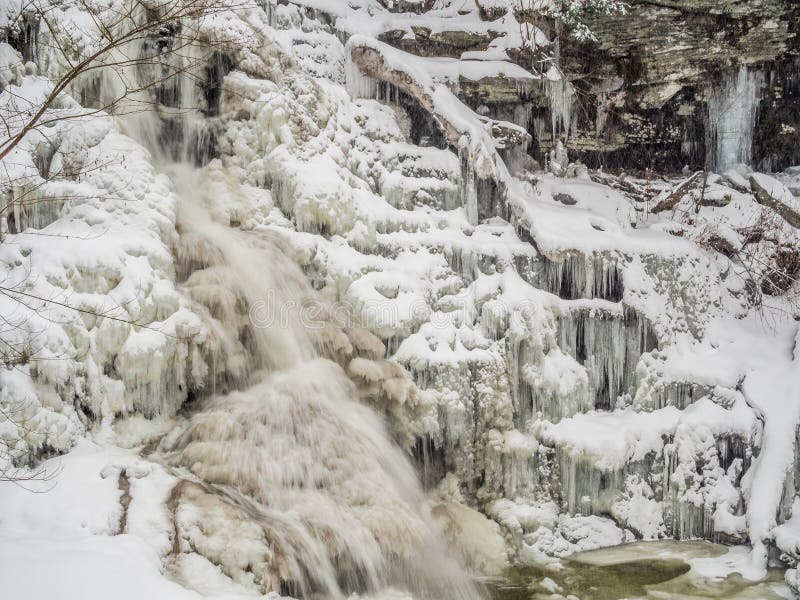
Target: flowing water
{"points": [[340, 502]]}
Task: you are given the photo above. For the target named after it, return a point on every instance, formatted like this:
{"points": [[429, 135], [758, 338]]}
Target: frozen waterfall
{"points": [[402, 355], [337, 500], [732, 106], [279, 449]]}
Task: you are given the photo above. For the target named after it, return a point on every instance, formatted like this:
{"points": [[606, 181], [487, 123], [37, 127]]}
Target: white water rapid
{"points": [[338, 501]]}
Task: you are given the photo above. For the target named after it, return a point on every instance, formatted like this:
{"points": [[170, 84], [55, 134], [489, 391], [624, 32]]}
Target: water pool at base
{"points": [[661, 570]]}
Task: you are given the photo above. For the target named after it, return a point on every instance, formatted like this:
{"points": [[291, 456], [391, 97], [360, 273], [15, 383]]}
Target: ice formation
{"points": [[352, 351], [732, 105]]}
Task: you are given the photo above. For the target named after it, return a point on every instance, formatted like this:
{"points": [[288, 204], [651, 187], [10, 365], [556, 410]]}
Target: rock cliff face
{"points": [[666, 58], [643, 86]]}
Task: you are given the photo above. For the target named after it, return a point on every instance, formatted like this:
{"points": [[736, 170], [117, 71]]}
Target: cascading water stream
{"points": [[292, 454], [339, 499], [274, 285]]}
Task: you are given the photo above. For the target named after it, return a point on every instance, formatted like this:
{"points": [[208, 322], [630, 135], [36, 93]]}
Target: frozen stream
{"points": [[666, 570]]}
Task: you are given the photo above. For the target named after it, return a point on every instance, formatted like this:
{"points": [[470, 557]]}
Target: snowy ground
{"points": [[91, 541]]}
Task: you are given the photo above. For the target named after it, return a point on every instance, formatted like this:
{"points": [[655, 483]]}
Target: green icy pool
{"points": [[663, 570]]}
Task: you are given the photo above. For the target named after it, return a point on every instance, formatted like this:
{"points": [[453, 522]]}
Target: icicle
{"points": [[609, 345], [31, 206], [533, 398], [430, 461], [463, 261], [269, 7], [561, 94], [358, 85], [529, 267], [522, 114], [527, 87], [679, 394], [469, 188], [511, 467], [544, 382], [579, 276], [585, 488], [538, 126], [696, 462]]}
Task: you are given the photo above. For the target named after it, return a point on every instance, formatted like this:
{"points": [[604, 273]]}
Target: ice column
{"points": [[358, 84], [732, 106], [562, 96]]}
